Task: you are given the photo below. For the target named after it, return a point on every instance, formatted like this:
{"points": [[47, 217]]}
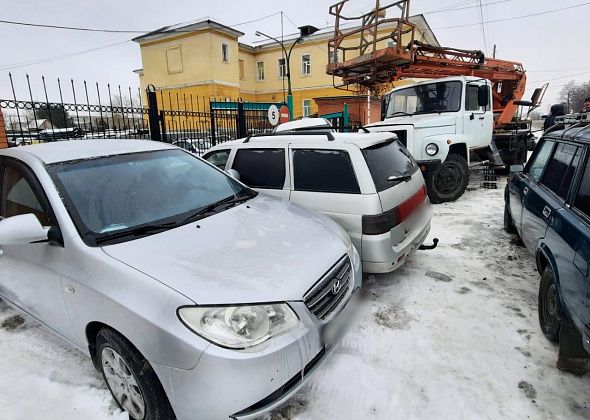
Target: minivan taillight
{"points": [[384, 222]]}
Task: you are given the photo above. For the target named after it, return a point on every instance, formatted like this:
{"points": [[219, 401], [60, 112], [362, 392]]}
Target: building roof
{"points": [[324, 33], [186, 27], [64, 151]]}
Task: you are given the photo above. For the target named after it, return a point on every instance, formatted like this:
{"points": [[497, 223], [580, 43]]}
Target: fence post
{"points": [[153, 115], [241, 126], [162, 120], [213, 129], [345, 117], [3, 136]]}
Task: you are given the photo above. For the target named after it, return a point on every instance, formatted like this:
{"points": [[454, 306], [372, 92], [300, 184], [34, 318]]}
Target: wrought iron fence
{"points": [[85, 111]]}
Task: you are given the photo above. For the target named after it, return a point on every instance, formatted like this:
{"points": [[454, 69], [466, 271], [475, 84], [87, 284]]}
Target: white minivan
{"points": [[366, 182]]}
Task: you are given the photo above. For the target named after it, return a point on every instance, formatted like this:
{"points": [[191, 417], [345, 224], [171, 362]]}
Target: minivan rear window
{"points": [[386, 160]]}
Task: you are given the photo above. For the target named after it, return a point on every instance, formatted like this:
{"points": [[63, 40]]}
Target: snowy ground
{"points": [[453, 335]]}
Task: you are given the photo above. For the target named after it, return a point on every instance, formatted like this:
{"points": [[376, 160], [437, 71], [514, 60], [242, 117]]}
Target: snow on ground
{"points": [[452, 335]]}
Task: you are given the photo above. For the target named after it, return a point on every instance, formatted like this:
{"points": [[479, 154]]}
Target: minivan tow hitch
{"points": [[429, 247]]}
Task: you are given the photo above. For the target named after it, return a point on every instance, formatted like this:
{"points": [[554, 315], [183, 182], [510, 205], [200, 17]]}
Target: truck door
{"points": [[521, 183], [478, 121], [541, 203]]}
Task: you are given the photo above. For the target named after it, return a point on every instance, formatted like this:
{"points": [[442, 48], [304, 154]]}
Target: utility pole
{"points": [[494, 53]]}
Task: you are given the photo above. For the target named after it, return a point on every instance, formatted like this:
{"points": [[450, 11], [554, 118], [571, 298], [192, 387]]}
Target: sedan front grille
{"points": [[326, 294]]}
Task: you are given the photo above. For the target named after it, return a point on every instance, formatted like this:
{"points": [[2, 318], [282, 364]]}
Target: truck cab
{"points": [[440, 121]]}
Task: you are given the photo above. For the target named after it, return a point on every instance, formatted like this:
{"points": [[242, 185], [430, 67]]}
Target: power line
{"points": [[455, 9], [114, 31], [562, 77], [59, 57], [517, 17]]}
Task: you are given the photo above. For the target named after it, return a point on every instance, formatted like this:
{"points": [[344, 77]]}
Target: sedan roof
{"points": [[64, 151]]}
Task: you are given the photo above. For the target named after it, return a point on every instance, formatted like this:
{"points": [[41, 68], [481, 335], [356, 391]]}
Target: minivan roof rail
{"points": [[329, 135]]}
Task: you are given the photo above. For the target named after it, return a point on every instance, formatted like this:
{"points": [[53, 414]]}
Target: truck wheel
{"points": [[548, 306], [450, 181]]}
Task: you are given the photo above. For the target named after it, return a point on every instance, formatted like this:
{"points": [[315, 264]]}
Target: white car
{"points": [[305, 124], [366, 182]]}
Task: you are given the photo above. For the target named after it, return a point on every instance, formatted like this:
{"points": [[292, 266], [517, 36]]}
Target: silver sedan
{"points": [[195, 296]]}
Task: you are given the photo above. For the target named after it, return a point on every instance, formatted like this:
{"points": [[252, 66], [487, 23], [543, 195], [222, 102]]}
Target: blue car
{"points": [[548, 204]]}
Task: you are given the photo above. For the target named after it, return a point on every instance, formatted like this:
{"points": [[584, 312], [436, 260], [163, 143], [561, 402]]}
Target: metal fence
{"points": [[87, 111]]}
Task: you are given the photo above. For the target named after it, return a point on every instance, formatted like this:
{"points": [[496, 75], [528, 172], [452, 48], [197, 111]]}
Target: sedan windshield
{"points": [[119, 198], [424, 99]]}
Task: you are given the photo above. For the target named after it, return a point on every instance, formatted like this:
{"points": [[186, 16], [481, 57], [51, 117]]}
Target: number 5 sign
{"points": [[273, 115]]}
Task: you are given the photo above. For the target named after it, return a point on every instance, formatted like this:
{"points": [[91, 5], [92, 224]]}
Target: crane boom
{"points": [[405, 57]]}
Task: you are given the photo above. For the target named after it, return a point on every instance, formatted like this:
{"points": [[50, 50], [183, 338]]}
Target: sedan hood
{"points": [[263, 250]]}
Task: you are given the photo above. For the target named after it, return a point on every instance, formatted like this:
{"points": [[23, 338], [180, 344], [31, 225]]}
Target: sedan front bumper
{"points": [[246, 384]]}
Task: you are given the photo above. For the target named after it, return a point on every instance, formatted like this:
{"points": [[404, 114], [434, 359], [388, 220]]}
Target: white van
{"points": [[366, 182]]}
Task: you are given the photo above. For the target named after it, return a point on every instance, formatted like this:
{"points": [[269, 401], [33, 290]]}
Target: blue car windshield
{"points": [[118, 198]]}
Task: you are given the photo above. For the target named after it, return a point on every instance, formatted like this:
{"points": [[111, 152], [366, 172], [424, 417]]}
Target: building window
{"points": [[306, 107], [260, 70], [282, 68], [224, 52], [333, 57], [306, 64], [174, 60], [242, 70]]}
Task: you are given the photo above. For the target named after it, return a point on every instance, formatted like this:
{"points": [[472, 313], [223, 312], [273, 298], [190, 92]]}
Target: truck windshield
{"points": [[425, 99]]}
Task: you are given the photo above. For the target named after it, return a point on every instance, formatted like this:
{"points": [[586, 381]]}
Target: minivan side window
{"points": [[261, 168], [561, 169], [536, 166], [324, 171], [582, 201], [217, 158]]}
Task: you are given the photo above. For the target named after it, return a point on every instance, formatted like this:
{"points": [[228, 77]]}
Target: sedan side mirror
{"points": [[483, 96], [21, 230], [234, 174], [516, 168]]}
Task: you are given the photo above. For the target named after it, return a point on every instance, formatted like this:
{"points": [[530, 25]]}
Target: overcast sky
{"points": [[551, 46]]}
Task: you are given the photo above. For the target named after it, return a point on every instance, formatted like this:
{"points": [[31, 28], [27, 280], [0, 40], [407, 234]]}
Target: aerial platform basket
{"points": [[373, 46]]}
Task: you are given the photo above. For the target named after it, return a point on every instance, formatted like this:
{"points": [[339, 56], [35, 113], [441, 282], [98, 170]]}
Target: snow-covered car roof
{"points": [[63, 151], [303, 123]]}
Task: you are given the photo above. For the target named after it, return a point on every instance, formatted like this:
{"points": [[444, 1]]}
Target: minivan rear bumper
{"points": [[380, 245]]}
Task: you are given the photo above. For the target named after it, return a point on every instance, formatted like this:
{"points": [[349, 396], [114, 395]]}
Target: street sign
{"points": [[273, 115], [284, 114]]}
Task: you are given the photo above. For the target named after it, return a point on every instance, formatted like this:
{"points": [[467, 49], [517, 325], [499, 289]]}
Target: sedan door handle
{"points": [[482, 118], [525, 191], [546, 212]]}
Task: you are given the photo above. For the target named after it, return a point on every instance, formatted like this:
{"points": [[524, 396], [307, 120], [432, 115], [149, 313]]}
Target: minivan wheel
{"points": [[548, 306], [450, 181], [130, 378]]}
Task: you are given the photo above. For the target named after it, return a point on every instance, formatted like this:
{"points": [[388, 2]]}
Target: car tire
{"points": [[130, 378], [548, 306], [450, 180]]}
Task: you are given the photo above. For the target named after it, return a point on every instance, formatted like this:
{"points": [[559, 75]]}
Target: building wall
{"points": [[205, 75], [3, 137]]}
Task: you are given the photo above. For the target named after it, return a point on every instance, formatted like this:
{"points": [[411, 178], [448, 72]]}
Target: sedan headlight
{"points": [[239, 327], [431, 149]]}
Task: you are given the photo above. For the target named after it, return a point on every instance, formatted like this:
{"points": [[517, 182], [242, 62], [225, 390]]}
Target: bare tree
{"points": [[573, 95]]}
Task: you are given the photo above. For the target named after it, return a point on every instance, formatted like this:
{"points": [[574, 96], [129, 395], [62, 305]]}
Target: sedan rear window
{"points": [[388, 161]]}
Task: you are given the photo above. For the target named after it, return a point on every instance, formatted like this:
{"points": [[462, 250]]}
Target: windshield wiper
{"points": [[226, 202], [399, 178], [401, 113], [140, 230]]}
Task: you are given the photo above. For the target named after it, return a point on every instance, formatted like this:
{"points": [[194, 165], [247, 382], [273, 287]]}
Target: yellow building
{"points": [[205, 60]]}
